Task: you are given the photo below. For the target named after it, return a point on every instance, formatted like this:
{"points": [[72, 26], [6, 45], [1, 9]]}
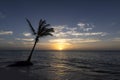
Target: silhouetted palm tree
{"points": [[43, 30]]}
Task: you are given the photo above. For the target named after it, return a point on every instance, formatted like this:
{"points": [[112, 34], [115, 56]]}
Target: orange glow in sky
{"points": [[59, 46]]}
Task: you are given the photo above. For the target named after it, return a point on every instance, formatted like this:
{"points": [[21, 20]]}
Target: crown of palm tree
{"points": [[43, 29]]}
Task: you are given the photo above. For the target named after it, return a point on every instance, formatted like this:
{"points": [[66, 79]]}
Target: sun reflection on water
{"points": [[59, 67]]}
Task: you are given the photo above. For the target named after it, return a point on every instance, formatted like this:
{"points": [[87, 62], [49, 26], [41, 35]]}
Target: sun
{"points": [[60, 44], [60, 48]]}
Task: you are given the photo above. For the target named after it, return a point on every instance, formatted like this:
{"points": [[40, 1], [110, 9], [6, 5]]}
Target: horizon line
{"points": [[58, 50]]}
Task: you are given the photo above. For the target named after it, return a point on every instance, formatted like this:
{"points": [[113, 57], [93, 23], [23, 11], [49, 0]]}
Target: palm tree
{"points": [[42, 31]]}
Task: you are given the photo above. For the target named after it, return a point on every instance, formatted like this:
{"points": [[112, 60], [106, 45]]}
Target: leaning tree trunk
{"points": [[29, 58]]}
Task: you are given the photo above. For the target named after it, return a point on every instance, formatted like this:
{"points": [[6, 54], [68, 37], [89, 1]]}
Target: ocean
{"points": [[67, 65]]}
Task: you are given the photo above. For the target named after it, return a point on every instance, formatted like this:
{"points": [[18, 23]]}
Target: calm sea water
{"points": [[67, 65]]}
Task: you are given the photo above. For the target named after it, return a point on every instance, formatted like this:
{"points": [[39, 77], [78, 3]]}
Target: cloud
{"points": [[59, 28], [28, 43], [88, 40], [116, 39], [85, 26], [74, 40], [6, 32], [63, 31], [26, 34], [60, 34], [118, 32], [89, 34], [1, 39], [25, 39], [59, 31], [10, 42], [60, 40], [82, 25]]}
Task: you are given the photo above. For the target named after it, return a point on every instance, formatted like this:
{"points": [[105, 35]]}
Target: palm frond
{"points": [[44, 22], [43, 28], [46, 25], [46, 30], [46, 34], [41, 25], [40, 22], [32, 29], [50, 30]]}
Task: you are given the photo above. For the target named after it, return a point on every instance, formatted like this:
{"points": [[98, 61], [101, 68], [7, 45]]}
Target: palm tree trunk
{"points": [[29, 58]]}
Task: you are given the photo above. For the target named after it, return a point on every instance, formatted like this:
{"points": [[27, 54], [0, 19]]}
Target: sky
{"points": [[78, 24]]}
